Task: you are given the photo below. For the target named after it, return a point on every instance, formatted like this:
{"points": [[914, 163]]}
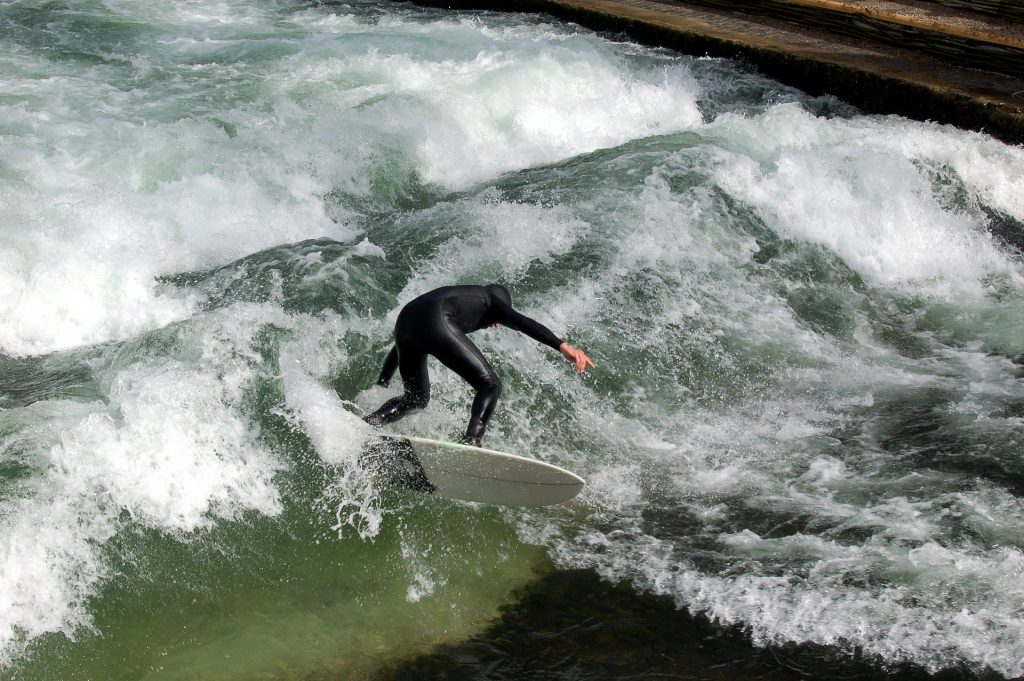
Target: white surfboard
{"points": [[468, 473]]}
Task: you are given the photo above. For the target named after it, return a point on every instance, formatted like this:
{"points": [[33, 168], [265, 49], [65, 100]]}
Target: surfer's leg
{"points": [[412, 366], [463, 357], [388, 370]]}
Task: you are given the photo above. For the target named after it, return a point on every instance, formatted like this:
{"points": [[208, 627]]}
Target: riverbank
{"points": [[923, 60]]}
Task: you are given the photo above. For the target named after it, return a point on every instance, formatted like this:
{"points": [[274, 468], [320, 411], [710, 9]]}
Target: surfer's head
{"points": [[500, 292]]}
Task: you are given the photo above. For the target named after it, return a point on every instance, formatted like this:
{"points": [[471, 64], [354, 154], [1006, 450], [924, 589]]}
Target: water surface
{"points": [[806, 422]]}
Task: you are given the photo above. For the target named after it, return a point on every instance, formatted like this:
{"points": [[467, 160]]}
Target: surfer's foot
{"points": [[373, 420], [474, 432]]}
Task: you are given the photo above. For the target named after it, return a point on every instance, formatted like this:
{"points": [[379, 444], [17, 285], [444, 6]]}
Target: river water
{"points": [[806, 421]]}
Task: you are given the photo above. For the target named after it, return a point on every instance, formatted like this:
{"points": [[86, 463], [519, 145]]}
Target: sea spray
{"points": [[338, 435]]}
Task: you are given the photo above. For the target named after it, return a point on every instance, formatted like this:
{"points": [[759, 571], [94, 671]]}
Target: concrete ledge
{"points": [[874, 77], [957, 37], [1006, 9]]}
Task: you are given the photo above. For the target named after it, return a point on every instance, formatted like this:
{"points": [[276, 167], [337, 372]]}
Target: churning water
{"points": [[807, 418]]}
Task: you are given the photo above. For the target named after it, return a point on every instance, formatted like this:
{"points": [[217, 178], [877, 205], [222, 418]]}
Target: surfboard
{"points": [[467, 473]]}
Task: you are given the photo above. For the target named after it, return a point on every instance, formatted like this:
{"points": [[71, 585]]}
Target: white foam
{"points": [[170, 450], [898, 595], [170, 446], [495, 102], [541, 108], [121, 187], [85, 247], [48, 562], [913, 589], [906, 592], [337, 435], [854, 187], [528, 235]]}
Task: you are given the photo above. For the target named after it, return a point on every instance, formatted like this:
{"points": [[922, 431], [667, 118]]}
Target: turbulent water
{"points": [[807, 417]]}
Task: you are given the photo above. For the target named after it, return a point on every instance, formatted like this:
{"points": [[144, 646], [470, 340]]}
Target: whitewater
{"points": [[807, 418]]}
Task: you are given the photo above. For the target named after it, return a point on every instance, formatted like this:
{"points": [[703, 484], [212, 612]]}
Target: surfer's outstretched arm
{"points": [[388, 370], [505, 314]]}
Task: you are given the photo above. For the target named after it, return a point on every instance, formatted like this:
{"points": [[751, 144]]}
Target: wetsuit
{"points": [[436, 323]]}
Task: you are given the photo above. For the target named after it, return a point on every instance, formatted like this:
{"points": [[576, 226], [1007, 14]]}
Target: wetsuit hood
{"points": [[500, 292]]}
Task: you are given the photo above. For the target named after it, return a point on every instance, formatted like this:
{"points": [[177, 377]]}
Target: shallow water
{"points": [[806, 421]]}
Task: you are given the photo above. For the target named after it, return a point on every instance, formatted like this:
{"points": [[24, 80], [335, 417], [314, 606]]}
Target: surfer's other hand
{"points": [[576, 356]]}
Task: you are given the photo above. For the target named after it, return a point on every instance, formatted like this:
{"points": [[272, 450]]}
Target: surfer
{"points": [[436, 323]]}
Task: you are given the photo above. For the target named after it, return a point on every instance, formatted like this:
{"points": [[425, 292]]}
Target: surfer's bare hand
{"points": [[576, 356]]}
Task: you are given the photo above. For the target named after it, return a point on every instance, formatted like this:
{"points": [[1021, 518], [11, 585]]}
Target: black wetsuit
{"points": [[436, 323]]}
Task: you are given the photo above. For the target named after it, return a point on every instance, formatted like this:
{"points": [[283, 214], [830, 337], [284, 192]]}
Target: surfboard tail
{"points": [[394, 462]]}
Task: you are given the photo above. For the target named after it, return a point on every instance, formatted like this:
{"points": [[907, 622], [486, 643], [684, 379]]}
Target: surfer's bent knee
{"points": [[490, 385]]}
